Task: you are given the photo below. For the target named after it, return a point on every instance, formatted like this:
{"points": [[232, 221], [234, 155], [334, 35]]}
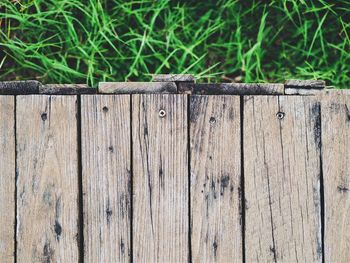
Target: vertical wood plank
{"points": [[47, 184], [215, 179], [282, 179], [7, 179], [160, 178], [336, 174], [106, 157]]}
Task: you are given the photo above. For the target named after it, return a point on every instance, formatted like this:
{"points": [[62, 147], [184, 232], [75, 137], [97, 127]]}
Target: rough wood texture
{"points": [[305, 84], [7, 179], [282, 179], [336, 174], [215, 179], [47, 182], [19, 87], [66, 89], [160, 178], [173, 77], [137, 87], [232, 89], [106, 157], [302, 91]]}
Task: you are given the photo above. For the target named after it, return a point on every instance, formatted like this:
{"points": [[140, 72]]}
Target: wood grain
{"points": [[215, 179], [233, 88], [160, 178], [282, 179], [106, 157], [47, 184], [7, 179], [336, 174], [137, 87]]}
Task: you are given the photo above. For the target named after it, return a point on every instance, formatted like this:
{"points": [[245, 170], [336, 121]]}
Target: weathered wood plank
{"points": [[7, 179], [160, 178], [137, 87], [215, 179], [106, 157], [66, 89], [282, 179], [19, 87], [305, 84], [173, 78], [232, 89], [302, 91], [336, 174], [47, 183]]}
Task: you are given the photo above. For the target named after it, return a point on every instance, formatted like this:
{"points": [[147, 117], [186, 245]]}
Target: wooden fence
{"points": [[174, 177]]}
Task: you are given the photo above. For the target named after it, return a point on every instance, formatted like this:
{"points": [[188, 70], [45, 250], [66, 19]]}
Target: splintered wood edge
{"points": [[137, 87]]}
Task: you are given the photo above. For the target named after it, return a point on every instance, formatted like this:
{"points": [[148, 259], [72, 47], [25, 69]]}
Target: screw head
{"points": [[212, 120], [162, 113], [280, 115]]}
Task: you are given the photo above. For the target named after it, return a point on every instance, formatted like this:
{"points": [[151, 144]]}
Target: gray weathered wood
{"points": [[19, 87], [106, 157], [305, 84], [215, 179], [336, 174], [160, 178], [282, 179], [173, 77], [301, 91], [7, 179], [47, 182], [232, 89], [137, 87], [66, 89]]}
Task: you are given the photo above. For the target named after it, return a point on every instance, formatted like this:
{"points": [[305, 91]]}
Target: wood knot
{"points": [[105, 109]]}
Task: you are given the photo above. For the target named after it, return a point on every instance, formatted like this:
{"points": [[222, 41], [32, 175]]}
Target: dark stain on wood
{"points": [[347, 112], [48, 253], [109, 213], [58, 229], [57, 226], [215, 247], [44, 116], [224, 183], [122, 246], [316, 117], [195, 108], [111, 149], [105, 109], [342, 189]]}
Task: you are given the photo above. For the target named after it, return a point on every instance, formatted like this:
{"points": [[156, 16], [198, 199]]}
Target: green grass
{"points": [[87, 41]]}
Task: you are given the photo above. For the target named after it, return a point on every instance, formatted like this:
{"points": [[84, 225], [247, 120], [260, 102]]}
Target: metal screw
{"points": [[162, 113], [212, 120], [280, 115]]}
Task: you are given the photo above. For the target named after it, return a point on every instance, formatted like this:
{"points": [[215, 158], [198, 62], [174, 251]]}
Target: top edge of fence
{"points": [[168, 84]]}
